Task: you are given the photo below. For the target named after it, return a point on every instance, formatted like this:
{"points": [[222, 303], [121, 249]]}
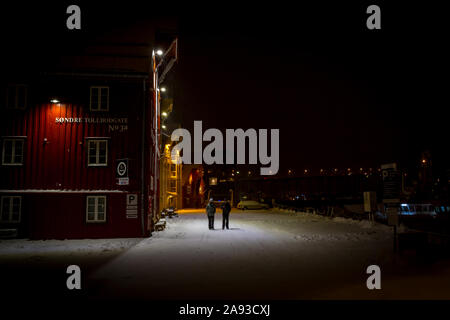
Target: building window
{"points": [[96, 209], [173, 186], [16, 96], [97, 152], [12, 153], [173, 170], [99, 99], [11, 207]]}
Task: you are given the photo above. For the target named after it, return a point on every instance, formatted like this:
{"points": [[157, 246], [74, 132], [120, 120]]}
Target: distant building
{"points": [[170, 181], [193, 188]]}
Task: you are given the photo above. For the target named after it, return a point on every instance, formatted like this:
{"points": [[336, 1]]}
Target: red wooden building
{"points": [[76, 157]]}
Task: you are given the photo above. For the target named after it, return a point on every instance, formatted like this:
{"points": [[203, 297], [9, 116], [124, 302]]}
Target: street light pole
{"points": [[170, 57], [156, 136]]}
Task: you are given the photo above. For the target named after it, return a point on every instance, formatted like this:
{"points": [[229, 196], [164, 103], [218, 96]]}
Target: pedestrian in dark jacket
{"points": [[210, 210], [226, 209]]}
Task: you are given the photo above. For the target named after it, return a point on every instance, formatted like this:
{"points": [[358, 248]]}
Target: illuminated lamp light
{"points": [[55, 101], [159, 52]]}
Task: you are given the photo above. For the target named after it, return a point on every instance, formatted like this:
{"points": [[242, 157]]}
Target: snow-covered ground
{"points": [[49, 247], [265, 255]]}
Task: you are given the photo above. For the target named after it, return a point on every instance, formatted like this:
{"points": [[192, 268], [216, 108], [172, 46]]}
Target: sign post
{"points": [[391, 196], [370, 203]]}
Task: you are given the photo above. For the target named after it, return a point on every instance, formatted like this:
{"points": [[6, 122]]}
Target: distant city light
{"points": [[163, 126], [159, 52], [163, 89], [164, 114], [55, 101]]}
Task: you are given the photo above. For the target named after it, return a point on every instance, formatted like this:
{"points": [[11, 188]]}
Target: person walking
{"points": [[210, 210], [226, 209]]}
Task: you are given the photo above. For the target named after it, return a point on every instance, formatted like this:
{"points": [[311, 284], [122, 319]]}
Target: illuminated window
{"points": [[173, 170], [12, 154], [173, 186], [96, 209], [97, 152], [16, 97], [99, 99], [11, 207]]}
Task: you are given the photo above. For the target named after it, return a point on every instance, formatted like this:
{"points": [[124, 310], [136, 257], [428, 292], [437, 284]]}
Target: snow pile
{"points": [[21, 246]]}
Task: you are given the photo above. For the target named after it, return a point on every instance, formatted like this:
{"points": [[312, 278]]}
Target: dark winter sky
{"points": [[341, 95]]}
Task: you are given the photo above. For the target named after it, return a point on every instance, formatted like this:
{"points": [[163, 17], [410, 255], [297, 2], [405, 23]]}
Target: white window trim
{"points": [[96, 220], [97, 150], [10, 199], [16, 96], [99, 97], [13, 151]]}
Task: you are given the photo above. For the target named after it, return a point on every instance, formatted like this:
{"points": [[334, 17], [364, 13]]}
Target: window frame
{"points": [[96, 220], [10, 199], [13, 153], [97, 150], [16, 87], [99, 98]]}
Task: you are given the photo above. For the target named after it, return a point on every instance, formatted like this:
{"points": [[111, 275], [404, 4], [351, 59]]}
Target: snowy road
{"points": [[265, 255]]}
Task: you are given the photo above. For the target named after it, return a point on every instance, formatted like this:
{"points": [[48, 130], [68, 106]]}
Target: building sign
{"points": [[132, 206], [391, 183], [114, 124], [122, 172], [370, 201]]}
